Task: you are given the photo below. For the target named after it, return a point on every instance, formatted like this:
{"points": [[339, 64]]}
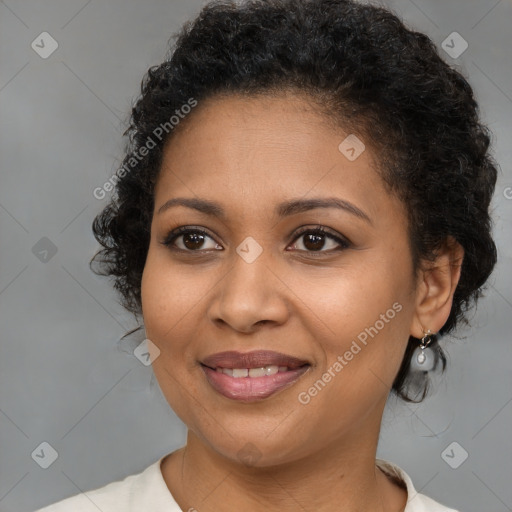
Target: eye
{"points": [[193, 239], [314, 240]]}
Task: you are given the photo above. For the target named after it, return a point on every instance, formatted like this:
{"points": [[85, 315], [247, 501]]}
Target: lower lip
{"points": [[250, 389]]}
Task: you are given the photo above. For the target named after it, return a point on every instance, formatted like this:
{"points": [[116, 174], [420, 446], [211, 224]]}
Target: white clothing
{"points": [[147, 491]]}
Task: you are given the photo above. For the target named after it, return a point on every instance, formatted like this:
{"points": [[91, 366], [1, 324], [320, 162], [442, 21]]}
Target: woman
{"points": [[302, 210]]}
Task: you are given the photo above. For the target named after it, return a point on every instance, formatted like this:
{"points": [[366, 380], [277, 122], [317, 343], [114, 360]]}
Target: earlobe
{"points": [[437, 281]]}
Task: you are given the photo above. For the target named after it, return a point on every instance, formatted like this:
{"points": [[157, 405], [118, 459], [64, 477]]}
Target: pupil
{"points": [[317, 242], [193, 241]]}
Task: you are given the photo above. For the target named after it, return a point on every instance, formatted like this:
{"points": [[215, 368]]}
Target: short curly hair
{"points": [[368, 72]]}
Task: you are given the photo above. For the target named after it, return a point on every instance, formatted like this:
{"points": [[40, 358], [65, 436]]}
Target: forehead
{"points": [[250, 152]]}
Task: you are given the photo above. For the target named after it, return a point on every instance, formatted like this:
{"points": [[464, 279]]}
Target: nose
{"points": [[248, 296]]}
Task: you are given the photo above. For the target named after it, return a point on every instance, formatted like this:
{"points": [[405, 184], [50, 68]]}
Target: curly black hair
{"points": [[369, 73]]}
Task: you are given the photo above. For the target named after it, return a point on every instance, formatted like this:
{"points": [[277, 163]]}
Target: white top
{"points": [[147, 491]]}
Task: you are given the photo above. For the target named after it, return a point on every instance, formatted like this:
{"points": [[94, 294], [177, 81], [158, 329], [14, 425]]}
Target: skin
{"points": [[249, 155]]}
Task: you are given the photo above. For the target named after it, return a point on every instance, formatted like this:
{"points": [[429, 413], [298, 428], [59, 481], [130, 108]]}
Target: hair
{"points": [[366, 71]]}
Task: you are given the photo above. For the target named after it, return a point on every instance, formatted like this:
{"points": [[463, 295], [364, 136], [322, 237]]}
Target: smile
{"points": [[252, 376]]}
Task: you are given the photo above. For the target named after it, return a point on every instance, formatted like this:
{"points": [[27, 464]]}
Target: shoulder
{"points": [[138, 492], [416, 502]]}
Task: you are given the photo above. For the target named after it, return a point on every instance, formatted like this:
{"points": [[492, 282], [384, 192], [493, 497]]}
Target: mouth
{"points": [[252, 376]]}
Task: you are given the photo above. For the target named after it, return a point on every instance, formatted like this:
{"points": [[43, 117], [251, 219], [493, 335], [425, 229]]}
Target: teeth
{"points": [[257, 372], [270, 369], [261, 372]]}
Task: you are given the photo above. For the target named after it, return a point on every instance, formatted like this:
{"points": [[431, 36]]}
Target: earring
{"points": [[423, 358]]}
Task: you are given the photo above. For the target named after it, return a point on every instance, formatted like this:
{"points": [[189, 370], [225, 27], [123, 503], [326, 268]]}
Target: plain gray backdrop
{"points": [[62, 379]]}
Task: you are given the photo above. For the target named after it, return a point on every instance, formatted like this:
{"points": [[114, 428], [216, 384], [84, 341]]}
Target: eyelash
{"points": [[320, 230]]}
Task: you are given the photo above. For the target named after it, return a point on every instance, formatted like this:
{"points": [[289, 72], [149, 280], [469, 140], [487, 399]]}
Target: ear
{"points": [[436, 285]]}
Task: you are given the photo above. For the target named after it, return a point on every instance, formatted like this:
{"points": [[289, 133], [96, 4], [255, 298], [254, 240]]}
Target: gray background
{"points": [[62, 380]]}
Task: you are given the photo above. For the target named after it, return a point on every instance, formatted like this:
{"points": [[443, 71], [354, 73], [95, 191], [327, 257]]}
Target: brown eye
{"points": [[193, 239], [314, 240]]}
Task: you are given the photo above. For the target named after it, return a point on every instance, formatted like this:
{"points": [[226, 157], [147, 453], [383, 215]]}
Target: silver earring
{"points": [[423, 358]]}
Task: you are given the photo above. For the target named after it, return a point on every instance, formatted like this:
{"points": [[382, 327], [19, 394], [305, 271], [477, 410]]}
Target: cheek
{"points": [[353, 298], [169, 296], [168, 301], [365, 312], [361, 354]]}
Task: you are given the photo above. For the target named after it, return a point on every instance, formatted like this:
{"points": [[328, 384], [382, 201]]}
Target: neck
{"points": [[342, 476]]}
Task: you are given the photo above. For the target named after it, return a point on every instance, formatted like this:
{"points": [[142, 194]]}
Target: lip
{"points": [[254, 359], [250, 389]]}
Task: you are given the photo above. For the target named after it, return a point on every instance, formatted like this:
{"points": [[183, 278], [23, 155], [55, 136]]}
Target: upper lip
{"points": [[254, 359]]}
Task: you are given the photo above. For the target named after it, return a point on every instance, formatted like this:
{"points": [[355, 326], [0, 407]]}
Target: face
{"points": [[254, 273]]}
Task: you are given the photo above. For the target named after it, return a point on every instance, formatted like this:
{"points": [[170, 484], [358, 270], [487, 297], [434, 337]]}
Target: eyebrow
{"points": [[285, 209]]}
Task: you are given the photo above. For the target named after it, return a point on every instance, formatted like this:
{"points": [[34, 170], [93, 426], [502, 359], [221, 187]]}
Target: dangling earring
{"points": [[423, 358]]}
